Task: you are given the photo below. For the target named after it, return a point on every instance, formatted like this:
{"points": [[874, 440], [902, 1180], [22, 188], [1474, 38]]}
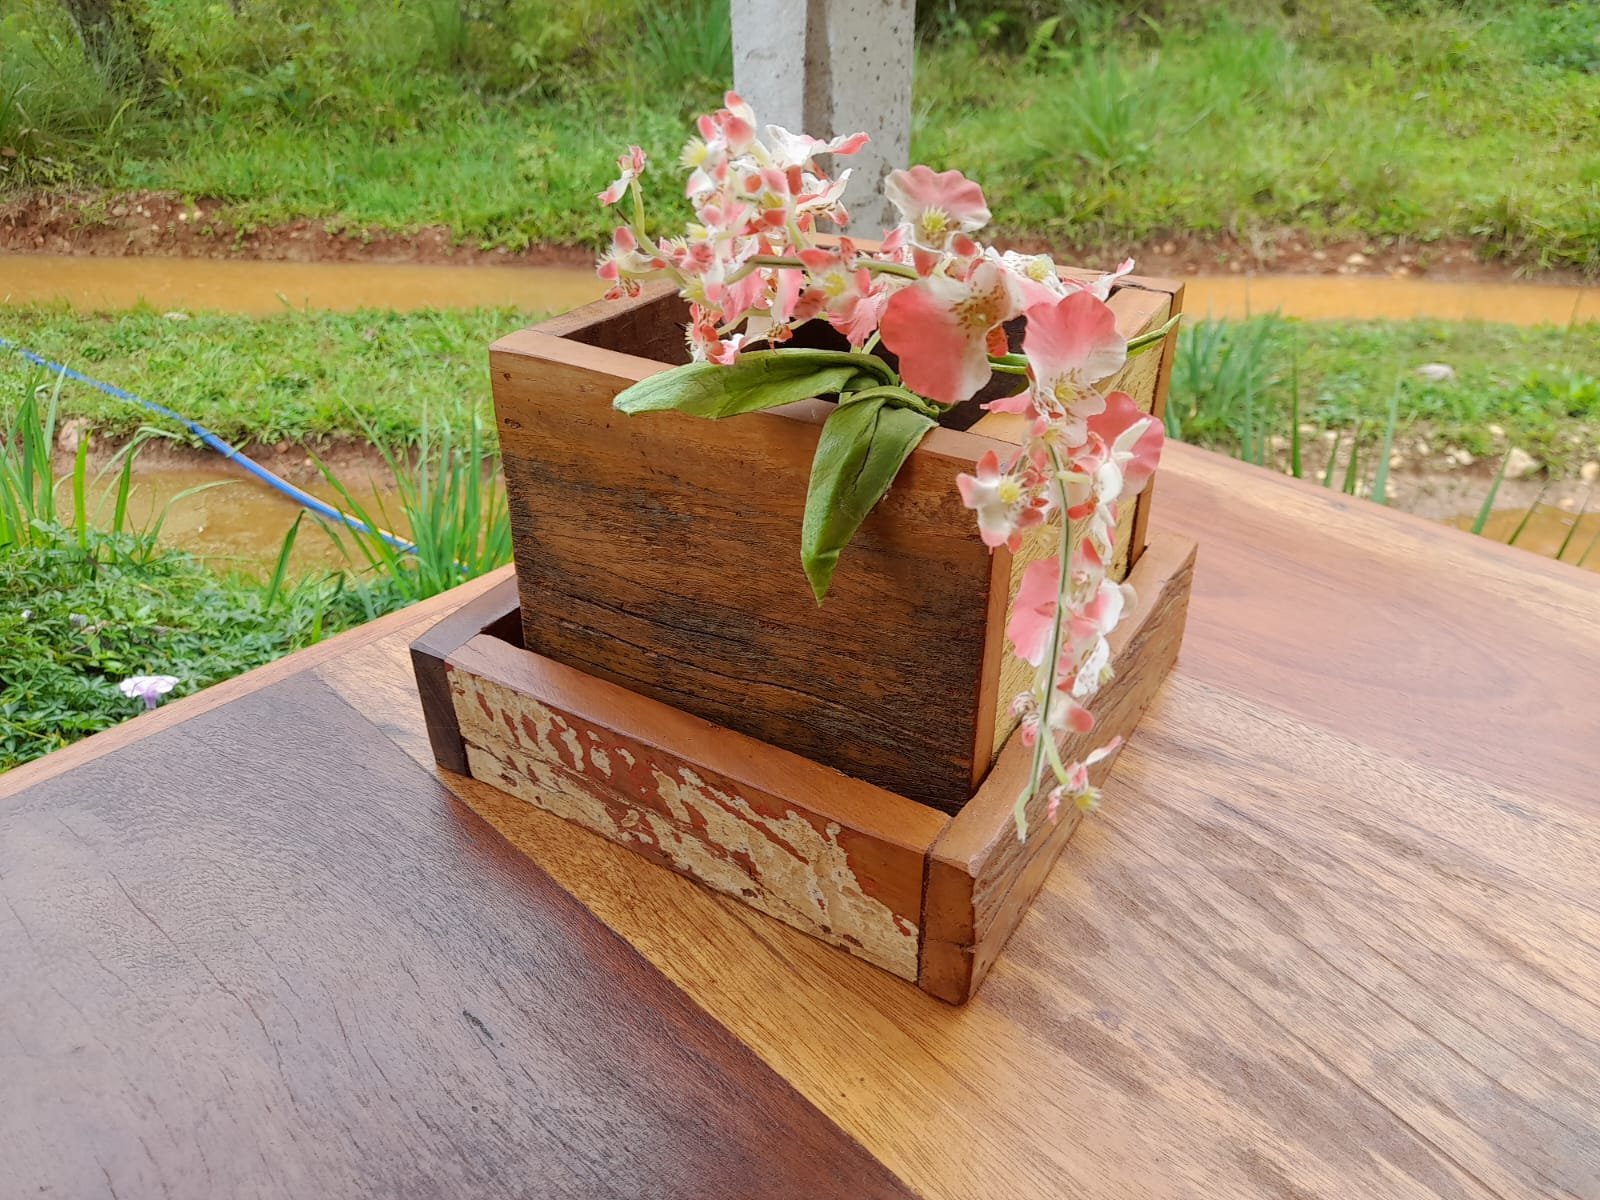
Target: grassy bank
{"points": [[1236, 385], [1423, 120], [311, 375], [298, 377], [90, 598]]}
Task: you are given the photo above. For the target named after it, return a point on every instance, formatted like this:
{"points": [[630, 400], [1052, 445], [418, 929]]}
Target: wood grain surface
{"points": [[1333, 933], [263, 953], [661, 552]]}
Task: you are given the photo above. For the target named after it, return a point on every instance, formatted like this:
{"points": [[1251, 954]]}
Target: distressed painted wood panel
{"points": [[828, 855]]}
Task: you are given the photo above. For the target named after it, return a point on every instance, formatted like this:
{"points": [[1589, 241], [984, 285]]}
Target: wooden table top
{"points": [[1335, 932]]}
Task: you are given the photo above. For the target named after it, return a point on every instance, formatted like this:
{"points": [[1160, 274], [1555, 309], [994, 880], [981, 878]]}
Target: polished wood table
{"points": [[1335, 933]]}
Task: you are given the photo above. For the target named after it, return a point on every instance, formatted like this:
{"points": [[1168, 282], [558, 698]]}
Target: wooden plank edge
{"points": [[1158, 410], [586, 316], [958, 947], [496, 612]]}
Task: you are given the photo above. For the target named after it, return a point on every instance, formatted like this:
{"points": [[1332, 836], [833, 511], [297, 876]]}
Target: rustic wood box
{"points": [[925, 895], [660, 553]]}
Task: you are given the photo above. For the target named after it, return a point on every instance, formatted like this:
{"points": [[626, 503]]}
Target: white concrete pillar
{"points": [[830, 67]]}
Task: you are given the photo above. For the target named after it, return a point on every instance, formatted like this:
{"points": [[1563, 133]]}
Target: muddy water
{"points": [[236, 522], [1546, 531], [1324, 297], [266, 287], [259, 288]]}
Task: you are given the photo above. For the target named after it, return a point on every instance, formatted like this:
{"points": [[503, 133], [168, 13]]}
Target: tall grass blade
{"points": [[1526, 517], [1295, 467], [119, 515], [1487, 506], [1333, 459], [1380, 480], [281, 568], [1352, 470], [1593, 542], [80, 496], [1583, 511]]}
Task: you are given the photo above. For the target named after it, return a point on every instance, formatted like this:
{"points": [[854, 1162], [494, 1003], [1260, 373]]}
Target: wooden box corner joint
{"points": [[928, 896]]}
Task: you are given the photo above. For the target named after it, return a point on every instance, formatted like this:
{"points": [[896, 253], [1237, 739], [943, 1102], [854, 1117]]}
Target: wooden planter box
{"points": [[926, 896], [659, 673], [660, 552]]}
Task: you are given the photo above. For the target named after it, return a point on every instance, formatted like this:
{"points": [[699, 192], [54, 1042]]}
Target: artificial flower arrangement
{"points": [[924, 315]]}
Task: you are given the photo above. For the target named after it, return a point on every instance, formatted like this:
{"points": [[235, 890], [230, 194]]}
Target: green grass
{"points": [[87, 599], [84, 604], [381, 377], [1422, 120], [1433, 126], [295, 376], [1234, 385]]}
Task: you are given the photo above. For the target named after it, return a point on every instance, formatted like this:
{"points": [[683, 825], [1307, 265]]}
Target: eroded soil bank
{"points": [[97, 223]]}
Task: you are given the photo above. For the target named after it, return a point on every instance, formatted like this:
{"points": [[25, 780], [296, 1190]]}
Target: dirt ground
{"points": [[93, 223]]}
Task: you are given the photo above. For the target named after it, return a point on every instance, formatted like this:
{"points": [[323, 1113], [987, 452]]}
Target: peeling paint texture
{"points": [[783, 860]]}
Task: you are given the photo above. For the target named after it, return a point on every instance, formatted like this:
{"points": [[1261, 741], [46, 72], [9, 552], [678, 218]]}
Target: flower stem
{"points": [[1006, 368], [1044, 744]]}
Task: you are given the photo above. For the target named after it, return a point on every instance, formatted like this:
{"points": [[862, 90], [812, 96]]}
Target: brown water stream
{"points": [[265, 287], [260, 288], [1546, 531], [236, 522]]}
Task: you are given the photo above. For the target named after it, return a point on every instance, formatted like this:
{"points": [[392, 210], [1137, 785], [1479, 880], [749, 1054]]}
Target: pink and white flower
{"points": [[1071, 344], [1036, 274], [1006, 503], [939, 328], [1033, 612], [631, 165], [798, 149], [1134, 439], [1100, 287], [842, 291], [936, 206], [1077, 789]]}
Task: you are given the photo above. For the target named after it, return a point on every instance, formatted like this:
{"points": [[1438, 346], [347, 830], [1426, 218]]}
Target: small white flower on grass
{"points": [[149, 688]]}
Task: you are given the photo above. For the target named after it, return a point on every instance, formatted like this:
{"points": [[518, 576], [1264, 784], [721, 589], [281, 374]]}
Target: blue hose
{"points": [[298, 495]]}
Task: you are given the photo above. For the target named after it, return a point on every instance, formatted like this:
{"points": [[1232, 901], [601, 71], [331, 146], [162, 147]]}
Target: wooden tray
{"points": [[925, 895]]}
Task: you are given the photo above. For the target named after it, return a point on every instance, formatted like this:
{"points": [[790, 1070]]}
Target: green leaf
{"points": [[758, 380], [861, 450]]}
